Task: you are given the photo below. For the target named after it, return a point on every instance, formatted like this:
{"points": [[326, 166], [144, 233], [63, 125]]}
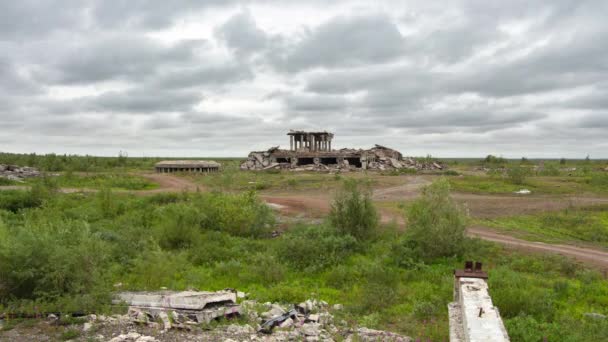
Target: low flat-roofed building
{"points": [[201, 166]]}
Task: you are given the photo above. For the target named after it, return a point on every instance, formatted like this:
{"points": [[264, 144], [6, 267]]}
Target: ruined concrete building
{"points": [[310, 151], [200, 166]]}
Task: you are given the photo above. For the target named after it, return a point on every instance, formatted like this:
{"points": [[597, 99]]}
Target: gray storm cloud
{"points": [[219, 78]]}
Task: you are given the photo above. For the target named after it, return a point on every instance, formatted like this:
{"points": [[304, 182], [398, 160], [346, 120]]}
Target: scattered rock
{"points": [[133, 337], [370, 335], [338, 307], [18, 173], [87, 326], [310, 329], [165, 319], [286, 323], [313, 318], [595, 315]]}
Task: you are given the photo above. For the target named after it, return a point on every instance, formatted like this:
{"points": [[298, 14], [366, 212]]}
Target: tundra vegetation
{"points": [[64, 252]]}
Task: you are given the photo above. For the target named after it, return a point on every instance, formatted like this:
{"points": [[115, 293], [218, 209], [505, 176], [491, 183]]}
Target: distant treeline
{"points": [[63, 162]]}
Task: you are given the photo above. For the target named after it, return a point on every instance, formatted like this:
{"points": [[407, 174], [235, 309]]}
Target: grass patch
{"points": [[69, 334], [6, 181], [538, 185], [116, 181], [589, 225]]}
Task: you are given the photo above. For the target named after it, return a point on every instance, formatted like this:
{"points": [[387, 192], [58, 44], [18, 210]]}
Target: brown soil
{"points": [[479, 205], [587, 255], [170, 183]]}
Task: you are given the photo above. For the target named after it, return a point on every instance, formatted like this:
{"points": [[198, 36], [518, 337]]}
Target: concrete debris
{"points": [[133, 337], [18, 173], [300, 324], [379, 158], [276, 320], [595, 315], [148, 325], [186, 308], [369, 335], [523, 192]]}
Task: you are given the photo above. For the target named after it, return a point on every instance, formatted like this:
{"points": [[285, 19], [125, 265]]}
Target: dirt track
{"points": [[479, 206], [586, 255]]}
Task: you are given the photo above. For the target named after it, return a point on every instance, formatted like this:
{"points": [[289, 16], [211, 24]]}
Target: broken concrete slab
{"points": [[187, 300], [187, 306]]}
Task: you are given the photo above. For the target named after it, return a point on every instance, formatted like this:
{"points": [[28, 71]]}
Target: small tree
{"points": [[436, 224], [353, 212], [562, 161], [517, 174]]}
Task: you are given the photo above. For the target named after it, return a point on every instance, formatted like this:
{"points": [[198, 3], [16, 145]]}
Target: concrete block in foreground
{"points": [[473, 316]]}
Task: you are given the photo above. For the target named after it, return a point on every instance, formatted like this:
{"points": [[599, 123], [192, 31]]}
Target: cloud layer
{"points": [[219, 78]]}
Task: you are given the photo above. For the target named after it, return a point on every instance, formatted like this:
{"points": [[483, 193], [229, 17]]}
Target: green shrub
{"points": [[314, 247], [50, 260], [379, 288], [264, 269], [107, 203], [15, 200], [240, 215], [6, 181], [353, 212], [518, 174], [549, 170], [70, 334], [493, 160], [599, 179], [451, 173], [155, 269], [436, 224], [179, 226]]}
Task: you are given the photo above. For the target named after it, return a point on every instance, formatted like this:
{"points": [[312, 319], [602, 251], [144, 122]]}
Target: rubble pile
{"points": [[161, 316], [17, 173], [379, 158]]}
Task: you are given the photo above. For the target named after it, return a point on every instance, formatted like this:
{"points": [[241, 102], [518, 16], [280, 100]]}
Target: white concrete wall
{"points": [[472, 297]]}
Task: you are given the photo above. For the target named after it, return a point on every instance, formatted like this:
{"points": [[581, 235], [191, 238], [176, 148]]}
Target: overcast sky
{"points": [[220, 78]]}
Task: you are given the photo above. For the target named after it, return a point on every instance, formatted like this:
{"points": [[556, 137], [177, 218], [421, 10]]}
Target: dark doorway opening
{"points": [[329, 161], [354, 161], [305, 161], [282, 160]]}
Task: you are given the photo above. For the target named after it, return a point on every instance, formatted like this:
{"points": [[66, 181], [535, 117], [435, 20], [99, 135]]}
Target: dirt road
{"points": [[170, 183], [166, 183], [587, 255], [479, 206]]}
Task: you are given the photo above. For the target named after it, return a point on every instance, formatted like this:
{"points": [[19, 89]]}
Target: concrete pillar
{"points": [[301, 140], [291, 142], [329, 149]]}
